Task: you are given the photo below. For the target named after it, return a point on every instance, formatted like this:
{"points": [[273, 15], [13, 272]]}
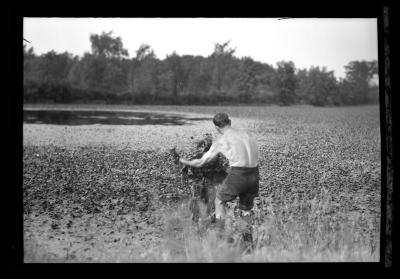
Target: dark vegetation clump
{"points": [[203, 180]]}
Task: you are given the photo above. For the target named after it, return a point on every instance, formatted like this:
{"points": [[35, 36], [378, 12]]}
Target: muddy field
{"points": [[101, 188]]}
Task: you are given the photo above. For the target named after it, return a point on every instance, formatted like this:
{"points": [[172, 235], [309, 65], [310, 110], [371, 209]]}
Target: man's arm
{"points": [[207, 157]]}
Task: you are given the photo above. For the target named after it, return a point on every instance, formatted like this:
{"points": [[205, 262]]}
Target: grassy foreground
{"points": [[319, 192]]}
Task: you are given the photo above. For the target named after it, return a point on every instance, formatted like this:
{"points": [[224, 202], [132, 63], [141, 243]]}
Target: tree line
{"points": [[108, 75]]}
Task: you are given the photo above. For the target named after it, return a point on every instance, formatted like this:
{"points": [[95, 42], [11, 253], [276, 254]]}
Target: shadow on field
{"points": [[64, 117]]}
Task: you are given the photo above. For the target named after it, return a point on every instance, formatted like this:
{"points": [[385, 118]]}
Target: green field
{"points": [[111, 193]]}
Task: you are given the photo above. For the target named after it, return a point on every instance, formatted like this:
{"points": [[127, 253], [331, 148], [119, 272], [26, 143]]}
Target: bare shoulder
{"points": [[219, 141]]}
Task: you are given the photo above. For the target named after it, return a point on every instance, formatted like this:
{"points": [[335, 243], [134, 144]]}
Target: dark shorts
{"points": [[242, 182]]}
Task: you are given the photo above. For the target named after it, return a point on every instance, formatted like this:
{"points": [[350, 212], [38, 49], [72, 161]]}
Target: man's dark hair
{"points": [[221, 120]]}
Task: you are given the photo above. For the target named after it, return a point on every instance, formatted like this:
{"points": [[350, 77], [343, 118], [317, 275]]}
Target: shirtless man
{"points": [[243, 175]]}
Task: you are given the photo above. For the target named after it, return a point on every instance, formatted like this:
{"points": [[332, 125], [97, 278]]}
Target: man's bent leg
{"points": [[246, 229]]}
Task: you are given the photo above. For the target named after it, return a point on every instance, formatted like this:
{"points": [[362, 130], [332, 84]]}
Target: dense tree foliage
{"points": [[358, 77], [106, 45], [286, 81], [318, 87], [108, 75]]}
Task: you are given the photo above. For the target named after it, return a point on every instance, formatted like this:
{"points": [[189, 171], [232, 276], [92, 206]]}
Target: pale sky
{"points": [[307, 42]]}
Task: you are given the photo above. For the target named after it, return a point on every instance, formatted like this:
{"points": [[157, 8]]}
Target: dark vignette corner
{"points": [[385, 23], [14, 139]]}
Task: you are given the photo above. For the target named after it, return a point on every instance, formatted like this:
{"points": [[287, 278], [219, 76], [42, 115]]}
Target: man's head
{"points": [[221, 120]]}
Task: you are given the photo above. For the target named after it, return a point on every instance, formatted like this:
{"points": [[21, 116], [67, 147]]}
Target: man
{"points": [[243, 174]]}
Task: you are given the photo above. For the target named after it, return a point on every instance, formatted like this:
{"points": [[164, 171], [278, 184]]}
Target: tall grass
{"points": [[300, 232], [304, 231]]}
